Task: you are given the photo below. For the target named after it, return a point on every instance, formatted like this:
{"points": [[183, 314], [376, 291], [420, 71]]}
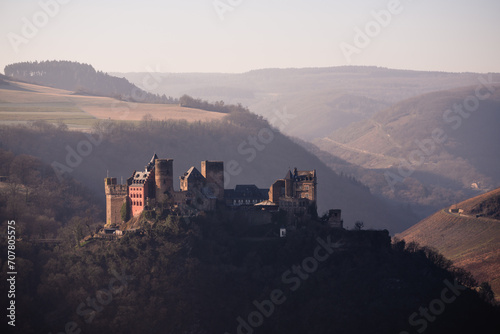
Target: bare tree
{"points": [[358, 225]]}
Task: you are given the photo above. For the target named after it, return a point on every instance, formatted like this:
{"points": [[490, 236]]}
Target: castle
{"points": [[295, 194]]}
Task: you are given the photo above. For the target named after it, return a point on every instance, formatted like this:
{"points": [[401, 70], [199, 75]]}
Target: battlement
{"points": [[119, 190], [112, 188]]}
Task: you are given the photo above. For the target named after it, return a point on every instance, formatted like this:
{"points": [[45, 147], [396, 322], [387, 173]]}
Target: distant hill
{"points": [[82, 79], [471, 242], [463, 162], [320, 99]]}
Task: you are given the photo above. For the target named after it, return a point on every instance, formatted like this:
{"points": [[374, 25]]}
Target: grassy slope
{"points": [[471, 243], [22, 102]]}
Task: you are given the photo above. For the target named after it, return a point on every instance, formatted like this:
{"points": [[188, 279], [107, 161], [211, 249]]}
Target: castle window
{"points": [[307, 187]]}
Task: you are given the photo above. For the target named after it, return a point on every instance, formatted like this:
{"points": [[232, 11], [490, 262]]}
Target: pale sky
{"points": [[190, 36]]}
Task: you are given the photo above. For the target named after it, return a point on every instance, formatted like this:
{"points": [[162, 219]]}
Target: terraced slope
{"points": [[471, 242]]}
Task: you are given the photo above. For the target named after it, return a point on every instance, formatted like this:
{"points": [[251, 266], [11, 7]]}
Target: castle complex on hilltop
{"points": [[296, 194]]}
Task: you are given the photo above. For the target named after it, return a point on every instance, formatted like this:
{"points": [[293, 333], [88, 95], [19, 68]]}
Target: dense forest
{"points": [[82, 79], [199, 275], [45, 206]]}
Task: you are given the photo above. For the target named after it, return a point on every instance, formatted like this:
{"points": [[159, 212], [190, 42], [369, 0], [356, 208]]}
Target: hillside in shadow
{"points": [[118, 149]]}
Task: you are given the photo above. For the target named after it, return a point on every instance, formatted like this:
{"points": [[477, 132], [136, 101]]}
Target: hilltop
{"points": [[471, 242], [485, 206], [82, 79]]}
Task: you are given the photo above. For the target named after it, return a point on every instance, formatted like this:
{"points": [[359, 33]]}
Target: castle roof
{"points": [[151, 163], [139, 178], [192, 173], [267, 203]]}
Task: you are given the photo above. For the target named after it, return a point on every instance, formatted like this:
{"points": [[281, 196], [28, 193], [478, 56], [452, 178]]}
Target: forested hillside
{"points": [[44, 206], [253, 152], [198, 277], [82, 79]]}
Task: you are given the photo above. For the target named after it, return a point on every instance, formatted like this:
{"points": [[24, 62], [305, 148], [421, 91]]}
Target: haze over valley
{"points": [[196, 167]]}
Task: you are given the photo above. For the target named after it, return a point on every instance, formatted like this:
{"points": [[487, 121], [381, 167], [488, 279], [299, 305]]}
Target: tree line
{"points": [[217, 106], [82, 79]]}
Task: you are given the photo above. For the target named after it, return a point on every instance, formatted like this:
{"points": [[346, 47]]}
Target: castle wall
{"points": [[137, 198], [113, 209], [305, 189], [289, 187], [276, 191], [335, 218], [213, 171]]}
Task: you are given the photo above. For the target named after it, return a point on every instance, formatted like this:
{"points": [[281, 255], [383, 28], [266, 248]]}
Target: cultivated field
{"points": [[22, 103]]}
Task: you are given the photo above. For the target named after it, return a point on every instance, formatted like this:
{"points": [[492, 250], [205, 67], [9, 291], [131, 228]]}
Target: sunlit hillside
{"points": [[23, 102], [471, 242]]}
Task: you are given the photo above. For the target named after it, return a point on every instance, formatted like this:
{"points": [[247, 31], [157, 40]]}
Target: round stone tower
{"points": [[164, 179]]}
